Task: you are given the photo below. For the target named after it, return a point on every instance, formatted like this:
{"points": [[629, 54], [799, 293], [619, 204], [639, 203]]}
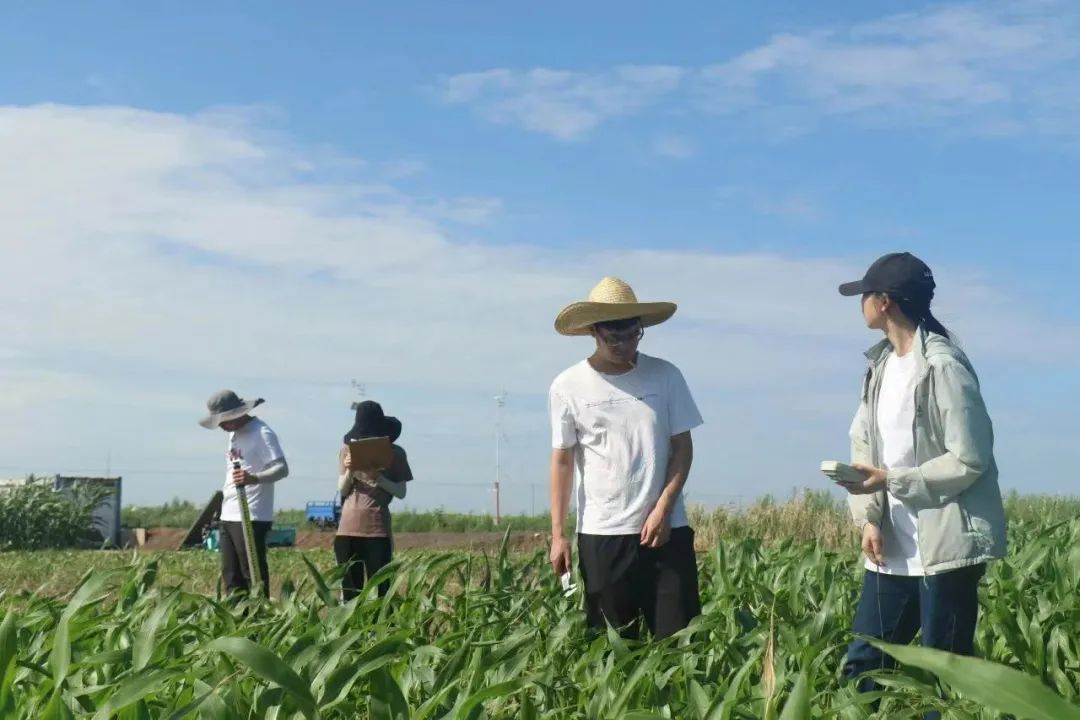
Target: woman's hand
{"points": [[347, 462], [876, 479], [872, 545]]}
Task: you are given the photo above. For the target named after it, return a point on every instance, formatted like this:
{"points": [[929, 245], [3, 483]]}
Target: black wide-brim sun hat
{"points": [[371, 422]]}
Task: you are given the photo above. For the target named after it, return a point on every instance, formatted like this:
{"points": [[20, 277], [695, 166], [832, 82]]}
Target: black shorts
{"points": [[625, 582]]}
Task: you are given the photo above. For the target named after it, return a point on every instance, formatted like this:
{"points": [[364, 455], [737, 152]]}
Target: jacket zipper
{"points": [[873, 388], [915, 450]]}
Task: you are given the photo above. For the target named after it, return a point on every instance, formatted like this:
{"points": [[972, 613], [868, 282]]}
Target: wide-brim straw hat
{"points": [[611, 299], [227, 405]]}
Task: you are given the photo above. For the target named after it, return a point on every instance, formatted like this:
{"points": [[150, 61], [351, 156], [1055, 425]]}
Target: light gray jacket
{"points": [[954, 488]]}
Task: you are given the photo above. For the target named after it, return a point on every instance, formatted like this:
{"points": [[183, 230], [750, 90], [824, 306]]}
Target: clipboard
{"points": [[370, 454]]}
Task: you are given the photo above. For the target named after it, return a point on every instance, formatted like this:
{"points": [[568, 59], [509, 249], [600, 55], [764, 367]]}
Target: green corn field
{"points": [[469, 636]]}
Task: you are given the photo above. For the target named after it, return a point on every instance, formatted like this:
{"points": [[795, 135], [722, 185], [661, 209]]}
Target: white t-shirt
{"points": [[256, 447], [621, 428], [896, 426]]}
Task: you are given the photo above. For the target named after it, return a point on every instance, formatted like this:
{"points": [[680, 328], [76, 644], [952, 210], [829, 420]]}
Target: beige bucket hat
{"points": [[611, 299]]}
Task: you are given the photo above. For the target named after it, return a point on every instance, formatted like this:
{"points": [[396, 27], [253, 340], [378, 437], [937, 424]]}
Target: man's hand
{"points": [[347, 462], [242, 478], [561, 477], [872, 545], [560, 555], [657, 529], [876, 479]]}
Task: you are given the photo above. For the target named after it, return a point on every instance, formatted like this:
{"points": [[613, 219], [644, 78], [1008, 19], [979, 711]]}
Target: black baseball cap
{"points": [[900, 274]]}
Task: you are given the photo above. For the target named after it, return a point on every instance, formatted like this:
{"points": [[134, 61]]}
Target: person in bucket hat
{"points": [[364, 540], [254, 460], [621, 422]]}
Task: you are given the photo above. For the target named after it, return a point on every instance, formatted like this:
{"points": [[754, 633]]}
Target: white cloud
{"points": [[798, 206], [149, 259], [993, 68], [986, 61], [400, 169], [565, 105], [468, 210], [674, 147]]}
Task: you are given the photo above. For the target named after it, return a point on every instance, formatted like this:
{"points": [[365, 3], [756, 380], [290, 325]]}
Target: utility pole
{"points": [[500, 401], [359, 388]]}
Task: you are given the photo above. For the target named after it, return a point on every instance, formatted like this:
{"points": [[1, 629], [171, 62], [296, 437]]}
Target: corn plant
{"points": [[34, 516], [464, 636]]}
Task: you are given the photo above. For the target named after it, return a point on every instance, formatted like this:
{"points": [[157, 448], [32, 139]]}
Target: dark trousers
{"points": [[625, 582], [363, 557], [234, 566], [894, 608]]}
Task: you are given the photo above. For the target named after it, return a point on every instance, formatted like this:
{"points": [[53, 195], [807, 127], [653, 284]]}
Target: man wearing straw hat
{"points": [[622, 420], [255, 462]]}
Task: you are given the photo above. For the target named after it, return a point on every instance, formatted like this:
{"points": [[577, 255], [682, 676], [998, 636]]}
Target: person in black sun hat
{"points": [[364, 540]]}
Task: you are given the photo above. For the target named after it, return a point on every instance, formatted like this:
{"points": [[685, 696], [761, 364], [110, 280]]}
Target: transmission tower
{"points": [[500, 402]]}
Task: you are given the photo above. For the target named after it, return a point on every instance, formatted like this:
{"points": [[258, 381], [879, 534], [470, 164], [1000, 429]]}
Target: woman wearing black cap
{"points": [[364, 541], [929, 509]]}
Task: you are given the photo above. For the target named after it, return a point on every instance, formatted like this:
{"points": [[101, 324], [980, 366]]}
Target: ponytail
{"points": [[919, 313], [932, 324]]}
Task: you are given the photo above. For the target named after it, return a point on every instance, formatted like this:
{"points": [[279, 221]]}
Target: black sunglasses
{"points": [[611, 339]]}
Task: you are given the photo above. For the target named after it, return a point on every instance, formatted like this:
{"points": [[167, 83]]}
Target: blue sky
{"points": [[282, 200]]}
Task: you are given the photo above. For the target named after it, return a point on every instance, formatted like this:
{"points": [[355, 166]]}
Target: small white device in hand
{"points": [[569, 588], [842, 473]]}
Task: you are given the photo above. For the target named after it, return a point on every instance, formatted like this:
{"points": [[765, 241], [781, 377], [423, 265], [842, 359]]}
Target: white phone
{"points": [[842, 472]]}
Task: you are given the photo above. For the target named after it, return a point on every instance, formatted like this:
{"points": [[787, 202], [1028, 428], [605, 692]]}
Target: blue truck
{"points": [[323, 514]]}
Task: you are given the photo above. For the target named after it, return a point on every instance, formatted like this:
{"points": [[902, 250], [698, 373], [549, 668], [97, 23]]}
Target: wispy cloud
{"points": [[468, 210], [674, 147], [795, 206], [990, 62], [401, 169], [566, 105], [993, 68]]}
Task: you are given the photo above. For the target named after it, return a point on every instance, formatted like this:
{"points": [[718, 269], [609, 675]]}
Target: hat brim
{"points": [[214, 420], [579, 317], [391, 428], [853, 288]]}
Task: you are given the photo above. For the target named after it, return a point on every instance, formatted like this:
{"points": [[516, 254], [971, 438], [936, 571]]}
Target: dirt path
{"points": [[168, 538]]}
